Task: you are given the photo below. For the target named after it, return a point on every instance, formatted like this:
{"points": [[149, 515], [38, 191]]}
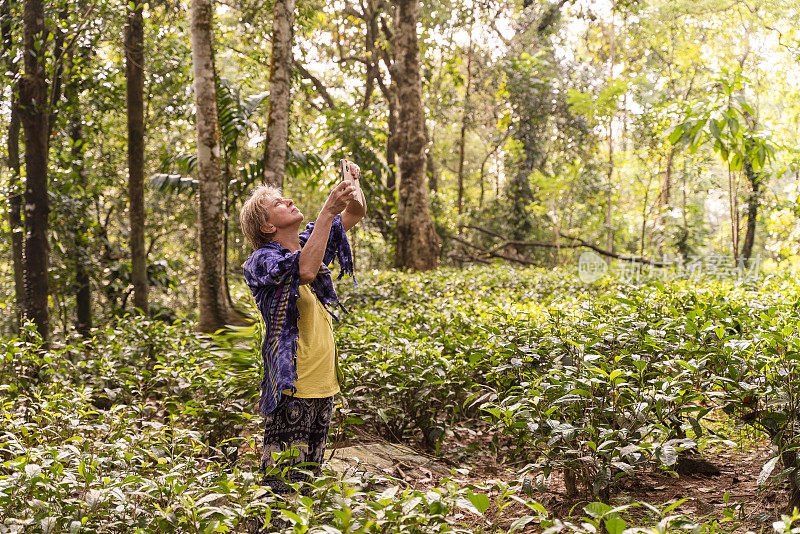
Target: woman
{"points": [[288, 276]]}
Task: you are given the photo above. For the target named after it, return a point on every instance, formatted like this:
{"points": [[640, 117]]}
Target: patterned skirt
{"points": [[301, 424]]}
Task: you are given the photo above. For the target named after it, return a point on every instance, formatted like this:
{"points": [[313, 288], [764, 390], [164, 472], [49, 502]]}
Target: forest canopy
{"points": [[648, 129], [662, 130]]}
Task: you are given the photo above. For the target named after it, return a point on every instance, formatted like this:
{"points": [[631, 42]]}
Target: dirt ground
{"points": [[753, 508]]}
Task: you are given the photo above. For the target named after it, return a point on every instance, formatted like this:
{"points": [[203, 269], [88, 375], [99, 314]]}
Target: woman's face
{"points": [[282, 214]]}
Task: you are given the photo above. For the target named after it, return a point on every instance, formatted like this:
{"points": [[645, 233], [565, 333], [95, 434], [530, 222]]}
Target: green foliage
{"points": [[148, 427], [605, 386], [725, 121]]}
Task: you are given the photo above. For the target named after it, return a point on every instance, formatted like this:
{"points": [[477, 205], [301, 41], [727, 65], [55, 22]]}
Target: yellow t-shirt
{"points": [[316, 352]]}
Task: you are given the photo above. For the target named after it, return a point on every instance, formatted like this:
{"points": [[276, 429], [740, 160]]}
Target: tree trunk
{"points": [[58, 37], [393, 139], [417, 243], [83, 295], [279, 97], [14, 193], [664, 196], [431, 173], [134, 73], [34, 116], [733, 201], [215, 309], [15, 209], [462, 137], [644, 216], [383, 214], [373, 69], [610, 170], [752, 210]]}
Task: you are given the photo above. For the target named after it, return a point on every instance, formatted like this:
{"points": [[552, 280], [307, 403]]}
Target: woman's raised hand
{"points": [[355, 170], [337, 201]]}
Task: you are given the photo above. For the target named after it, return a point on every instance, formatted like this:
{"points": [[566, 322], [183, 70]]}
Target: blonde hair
{"points": [[255, 212]]}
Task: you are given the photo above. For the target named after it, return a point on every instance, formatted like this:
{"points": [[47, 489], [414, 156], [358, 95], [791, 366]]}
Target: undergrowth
{"points": [[149, 427]]}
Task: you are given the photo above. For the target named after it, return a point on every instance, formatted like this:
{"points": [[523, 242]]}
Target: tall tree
{"points": [[464, 119], [753, 200], [417, 243], [80, 252], [610, 132], [134, 71], [215, 308], [279, 97], [14, 194], [33, 104]]}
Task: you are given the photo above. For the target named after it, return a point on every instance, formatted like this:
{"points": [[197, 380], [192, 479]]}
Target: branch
{"points": [[532, 244], [493, 254], [382, 86], [242, 53], [77, 31], [321, 89], [386, 31], [612, 254], [156, 238], [350, 10], [478, 228], [345, 59], [468, 257], [579, 243]]}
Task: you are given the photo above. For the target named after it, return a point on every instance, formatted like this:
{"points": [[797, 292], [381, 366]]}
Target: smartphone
{"points": [[345, 174]]}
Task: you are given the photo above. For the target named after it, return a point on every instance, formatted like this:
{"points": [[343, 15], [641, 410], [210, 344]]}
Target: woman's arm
{"points": [[354, 212], [314, 250]]}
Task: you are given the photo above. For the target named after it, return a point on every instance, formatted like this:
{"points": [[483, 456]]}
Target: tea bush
{"points": [[149, 427], [601, 381]]}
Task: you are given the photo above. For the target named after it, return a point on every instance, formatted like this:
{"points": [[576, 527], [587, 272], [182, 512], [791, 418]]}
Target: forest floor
{"points": [[703, 496]]}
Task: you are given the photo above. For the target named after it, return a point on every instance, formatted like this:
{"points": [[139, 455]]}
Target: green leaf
{"points": [[668, 455], [735, 162], [480, 501], [674, 505], [767, 470], [294, 517], [733, 123], [615, 525], [676, 135], [520, 523], [697, 137], [597, 509], [720, 331], [714, 129]]}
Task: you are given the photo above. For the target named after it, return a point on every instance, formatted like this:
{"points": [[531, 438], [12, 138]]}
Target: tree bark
{"points": [[279, 94], [214, 306], [463, 133], [34, 116], [752, 209], [431, 173], [733, 201], [610, 170], [373, 70], [83, 295], [14, 194], [15, 210], [664, 195], [134, 72], [417, 245], [393, 139]]}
